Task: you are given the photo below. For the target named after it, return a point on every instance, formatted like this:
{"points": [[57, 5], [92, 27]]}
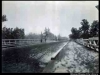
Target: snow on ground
{"points": [[76, 59]]}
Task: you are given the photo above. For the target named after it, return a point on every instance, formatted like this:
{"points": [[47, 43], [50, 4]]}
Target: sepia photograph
{"points": [[50, 37]]}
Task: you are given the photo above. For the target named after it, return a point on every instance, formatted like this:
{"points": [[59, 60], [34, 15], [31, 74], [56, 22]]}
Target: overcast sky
{"points": [[59, 16]]}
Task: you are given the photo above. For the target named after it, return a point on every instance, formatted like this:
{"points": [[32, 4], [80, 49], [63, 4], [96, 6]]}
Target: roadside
{"points": [[30, 59], [74, 58]]}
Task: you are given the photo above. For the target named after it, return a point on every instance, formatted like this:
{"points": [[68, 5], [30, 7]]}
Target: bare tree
{"points": [[46, 33]]}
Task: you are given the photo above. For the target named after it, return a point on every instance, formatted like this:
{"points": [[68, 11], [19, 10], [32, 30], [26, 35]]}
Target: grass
{"points": [[17, 60]]}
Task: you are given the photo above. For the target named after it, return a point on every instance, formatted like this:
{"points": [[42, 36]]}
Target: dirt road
{"points": [[74, 58]]}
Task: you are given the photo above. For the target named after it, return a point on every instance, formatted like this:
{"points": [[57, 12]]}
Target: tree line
{"points": [[44, 36], [86, 30], [18, 33], [12, 33]]}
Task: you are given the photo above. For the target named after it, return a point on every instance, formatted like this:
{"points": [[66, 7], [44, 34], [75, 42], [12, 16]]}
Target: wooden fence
{"points": [[92, 43], [10, 43], [18, 42]]}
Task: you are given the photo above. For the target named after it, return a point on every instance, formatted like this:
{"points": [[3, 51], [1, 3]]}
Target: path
{"points": [[74, 58]]}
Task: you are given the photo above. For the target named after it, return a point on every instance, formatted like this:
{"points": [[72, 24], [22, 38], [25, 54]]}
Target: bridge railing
{"points": [[92, 43]]}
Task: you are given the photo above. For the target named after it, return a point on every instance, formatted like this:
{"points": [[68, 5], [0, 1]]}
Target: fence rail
{"points": [[6, 43], [92, 43], [17, 41], [9, 43]]}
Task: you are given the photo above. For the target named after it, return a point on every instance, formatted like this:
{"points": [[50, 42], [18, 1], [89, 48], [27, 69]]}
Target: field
{"points": [[27, 59]]}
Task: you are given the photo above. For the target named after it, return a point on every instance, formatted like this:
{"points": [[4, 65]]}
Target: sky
{"points": [[58, 16]]}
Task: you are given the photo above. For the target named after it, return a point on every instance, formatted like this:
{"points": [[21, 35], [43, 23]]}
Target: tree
{"points": [[75, 33], [7, 33], [10, 33], [33, 36], [18, 33], [4, 32], [85, 31], [46, 33], [4, 18], [70, 36], [85, 28], [94, 30]]}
